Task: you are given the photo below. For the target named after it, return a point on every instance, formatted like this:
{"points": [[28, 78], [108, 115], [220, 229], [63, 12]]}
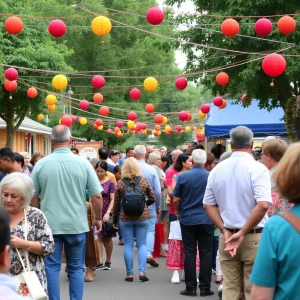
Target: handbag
{"points": [[29, 285], [175, 231]]}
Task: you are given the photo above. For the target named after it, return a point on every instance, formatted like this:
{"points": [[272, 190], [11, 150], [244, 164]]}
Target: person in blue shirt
{"points": [[196, 227], [276, 270], [8, 286], [103, 155], [151, 175], [129, 153]]}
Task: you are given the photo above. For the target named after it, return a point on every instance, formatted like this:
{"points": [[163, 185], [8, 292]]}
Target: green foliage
{"points": [[247, 78]]}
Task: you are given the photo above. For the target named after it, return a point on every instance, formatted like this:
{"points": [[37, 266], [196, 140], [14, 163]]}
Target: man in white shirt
{"points": [[237, 198]]}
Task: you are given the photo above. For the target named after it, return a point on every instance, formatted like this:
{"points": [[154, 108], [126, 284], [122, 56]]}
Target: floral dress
{"points": [[279, 204], [38, 230], [109, 187]]}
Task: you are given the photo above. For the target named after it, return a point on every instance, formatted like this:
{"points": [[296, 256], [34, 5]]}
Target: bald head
{"points": [[60, 134], [174, 155]]}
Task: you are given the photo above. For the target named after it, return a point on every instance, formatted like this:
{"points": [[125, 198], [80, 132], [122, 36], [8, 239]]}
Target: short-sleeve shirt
{"points": [[169, 179], [62, 179], [277, 261], [190, 187], [236, 185]]}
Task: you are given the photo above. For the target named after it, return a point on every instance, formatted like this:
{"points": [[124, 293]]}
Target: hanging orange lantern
{"points": [[224, 104], [14, 25], [40, 117], [157, 127], [158, 118], [98, 98], [10, 85], [51, 107], [222, 78], [230, 27], [104, 111], [149, 108], [286, 25], [32, 92]]}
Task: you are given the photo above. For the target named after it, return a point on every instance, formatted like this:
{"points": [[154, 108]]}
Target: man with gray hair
{"points": [[237, 198], [196, 227], [60, 184], [151, 175]]}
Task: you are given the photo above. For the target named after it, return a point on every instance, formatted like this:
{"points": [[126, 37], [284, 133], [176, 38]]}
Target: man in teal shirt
{"points": [[60, 184]]}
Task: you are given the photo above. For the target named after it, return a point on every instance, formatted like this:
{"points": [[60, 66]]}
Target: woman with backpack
{"points": [[133, 196]]}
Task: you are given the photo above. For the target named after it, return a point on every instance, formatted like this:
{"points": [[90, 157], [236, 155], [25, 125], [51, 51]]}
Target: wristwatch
{"points": [[108, 212]]}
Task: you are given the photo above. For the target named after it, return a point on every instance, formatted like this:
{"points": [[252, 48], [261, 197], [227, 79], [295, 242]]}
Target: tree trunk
{"points": [[10, 134], [297, 118]]}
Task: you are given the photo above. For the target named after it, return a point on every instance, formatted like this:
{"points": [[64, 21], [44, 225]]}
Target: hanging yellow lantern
{"points": [[40, 117], [167, 128], [130, 124], [101, 25], [159, 132], [83, 121], [51, 107], [59, 82], [187, 129], [144, 131], [59, 121], [201, 114], [150, 84], [100, 127], [195, 128], [119, 133], [51, 100], [165, 121]]}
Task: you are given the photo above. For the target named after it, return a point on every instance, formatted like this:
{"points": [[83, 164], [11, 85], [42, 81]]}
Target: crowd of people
{"points": [[234, 214]]}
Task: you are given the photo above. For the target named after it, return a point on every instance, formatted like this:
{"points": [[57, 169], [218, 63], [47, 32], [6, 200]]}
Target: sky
{"points": [[187, 6]]}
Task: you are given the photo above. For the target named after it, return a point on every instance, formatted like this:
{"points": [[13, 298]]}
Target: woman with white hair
{"points": [[16, 195]]}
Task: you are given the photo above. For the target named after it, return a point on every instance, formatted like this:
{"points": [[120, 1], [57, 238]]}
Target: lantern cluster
{"points": [[98, 125], [185, 116], [67, 120]]}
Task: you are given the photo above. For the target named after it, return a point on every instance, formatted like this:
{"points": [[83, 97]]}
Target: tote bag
{"points": [[28, 284], [175, 231]]}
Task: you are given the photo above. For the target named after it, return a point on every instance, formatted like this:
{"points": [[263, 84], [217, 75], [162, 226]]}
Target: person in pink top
{"points": [[169, 179]]}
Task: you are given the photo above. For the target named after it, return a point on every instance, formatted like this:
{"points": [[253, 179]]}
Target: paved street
{"points": [[110, 285]]}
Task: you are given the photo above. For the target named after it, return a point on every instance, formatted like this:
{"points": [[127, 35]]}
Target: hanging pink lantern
{"points": [[205, 108], [181, 83], [98, 82], [66, 120], [132, 116], [274, 65], [218, 101], [57, 28], [183, 116], [99, 122], [135, 94], [143, 126], [84, 105], [263, 27], [138, 127], [10, 85], [155, 15], [109, 131], [120, 124], [95, 126], [73, 118], [11, 74], [179, 128]]}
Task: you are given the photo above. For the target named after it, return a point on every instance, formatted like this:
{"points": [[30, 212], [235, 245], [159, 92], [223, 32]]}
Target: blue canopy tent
{"points": [[260, 121]]}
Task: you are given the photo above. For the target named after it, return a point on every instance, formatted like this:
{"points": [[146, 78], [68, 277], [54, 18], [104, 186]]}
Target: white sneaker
{"points": [[197, 280], [182, 277], [165, 247], [175, 277]]}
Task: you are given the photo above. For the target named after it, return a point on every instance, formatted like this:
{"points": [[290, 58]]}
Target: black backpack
{"points": [[133, 201]]}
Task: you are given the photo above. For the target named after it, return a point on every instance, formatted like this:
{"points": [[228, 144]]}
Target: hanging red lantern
{"points": [[132, 116], [149, 108], [11, 74], [120, 124], [190, 117], [263, 27], [117, 129], [109, 131], [10, 85], [158, 118], [84, 105], [157, 127], [183, 116], [286, 25], [104, 111], [73, 118], [218, 101], [66, 120], [230, 27], [57, 28], [99, 122], [95, 126], [274, 65], [138, 127], [135, 94], [200, 136], [222, 78], [98, 98], [13, 25], [155, 15], [32, 92], [243, 97], [179, 128], [143, 126], [181, 83], [98, 81], [205, 108], [224, 104]]}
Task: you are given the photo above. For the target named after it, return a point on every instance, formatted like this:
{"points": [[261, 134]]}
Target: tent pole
{"points": [[206, 143]]}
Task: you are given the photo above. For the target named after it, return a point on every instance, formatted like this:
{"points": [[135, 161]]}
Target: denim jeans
{"points": [[74, 247], [138, 230], [151, 230]]}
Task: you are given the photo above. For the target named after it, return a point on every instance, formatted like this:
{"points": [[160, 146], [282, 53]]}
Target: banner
{"points": [[88, 150]]}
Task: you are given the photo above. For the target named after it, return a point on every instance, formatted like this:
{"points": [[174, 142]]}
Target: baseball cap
{"points": [[114, 152], [7, 153]]}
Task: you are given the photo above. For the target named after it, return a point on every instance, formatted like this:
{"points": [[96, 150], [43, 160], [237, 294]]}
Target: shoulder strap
{"points": [[292, 219], [137, 180], [126, 182]]}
